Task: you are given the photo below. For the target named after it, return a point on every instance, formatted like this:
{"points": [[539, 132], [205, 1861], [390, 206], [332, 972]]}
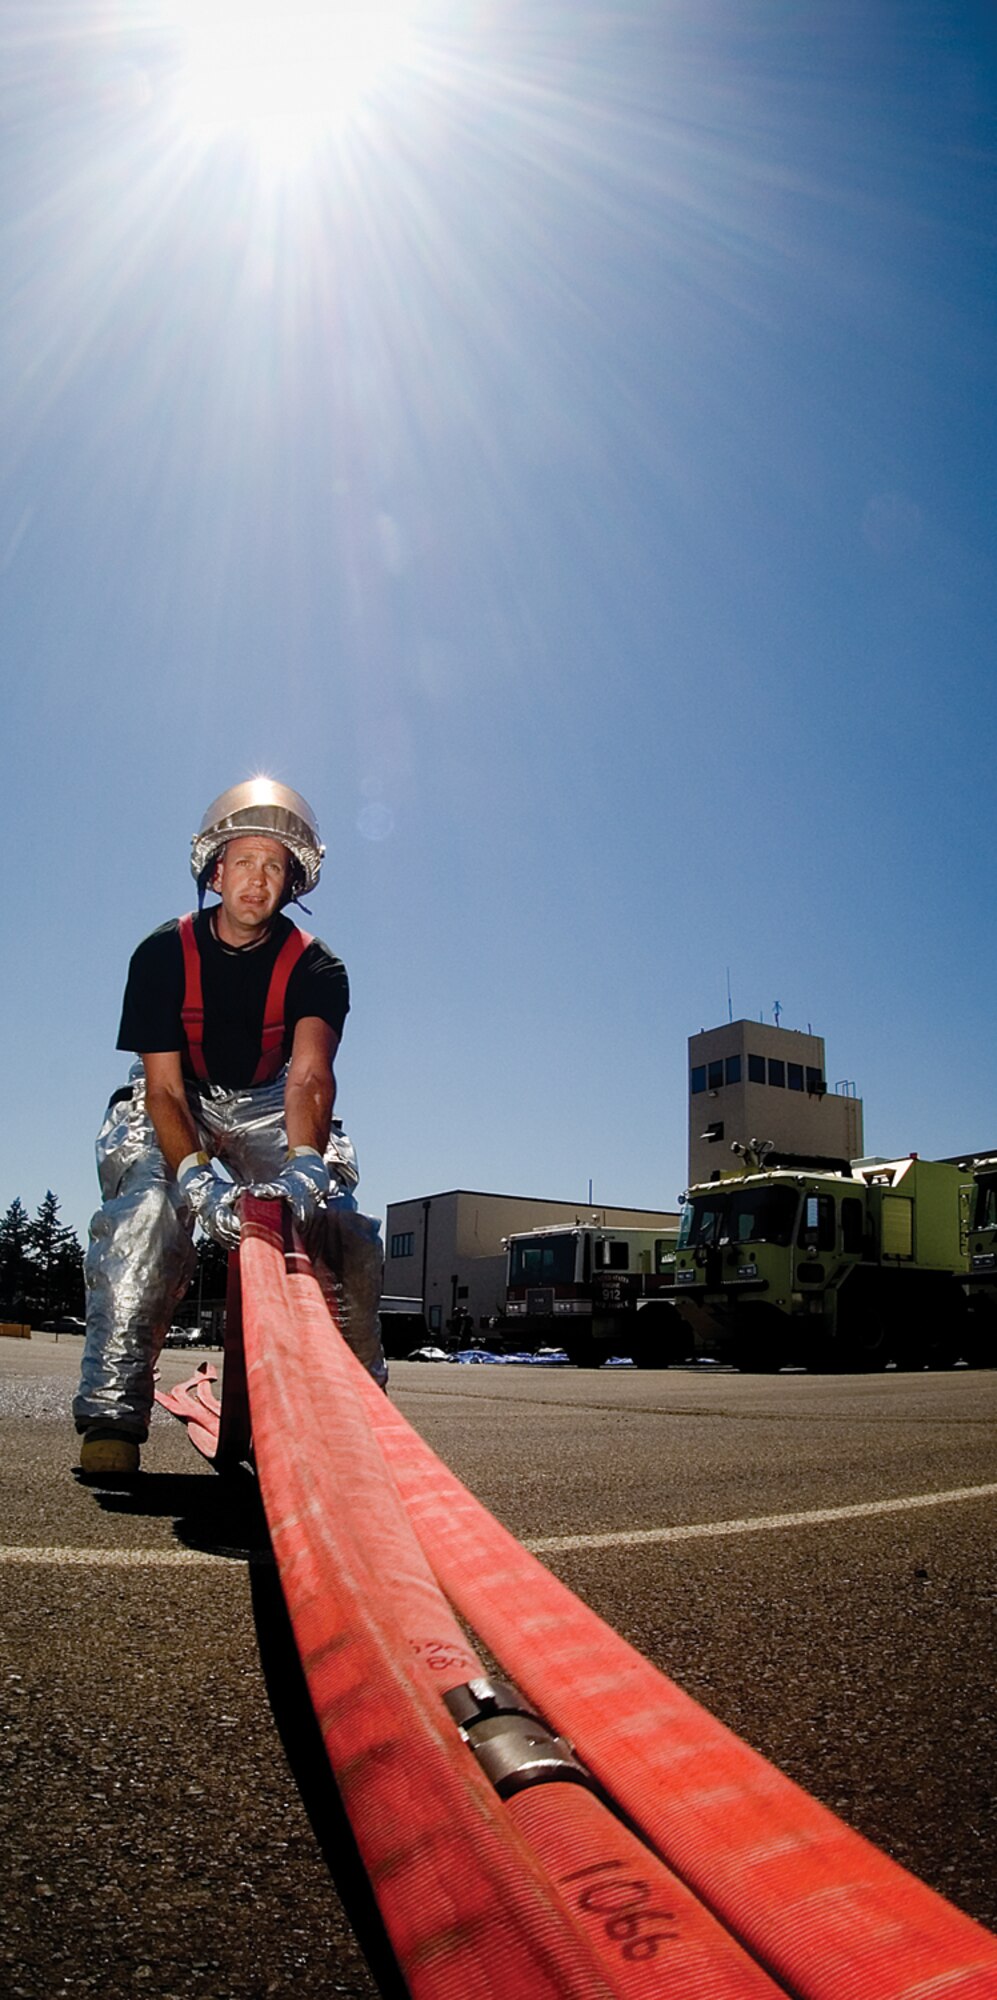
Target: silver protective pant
{"points": [[141, 1258]]}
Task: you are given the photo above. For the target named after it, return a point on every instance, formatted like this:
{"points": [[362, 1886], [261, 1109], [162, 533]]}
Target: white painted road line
{"points": [[127, 1558], [540, 1545], [757, 1524]]}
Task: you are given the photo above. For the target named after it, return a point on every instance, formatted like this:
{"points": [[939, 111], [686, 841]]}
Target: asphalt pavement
{"points": [[167, 1825]]}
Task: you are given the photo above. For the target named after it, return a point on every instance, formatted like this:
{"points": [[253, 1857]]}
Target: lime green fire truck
{"points": [[982, 1286], [847, 1269]]}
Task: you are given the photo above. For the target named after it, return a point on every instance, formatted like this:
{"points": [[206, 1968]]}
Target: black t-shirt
{"points": [[234, 986]]}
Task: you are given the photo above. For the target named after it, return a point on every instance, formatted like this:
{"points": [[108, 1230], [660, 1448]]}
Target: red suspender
{"points": [[272, 1044], [192, 1010]]}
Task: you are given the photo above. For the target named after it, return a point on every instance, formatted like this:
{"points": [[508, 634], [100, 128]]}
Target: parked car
{"points": [[66, 1323], [478, 1354], [181, 1336], [551, 1357], [427, 1354]]}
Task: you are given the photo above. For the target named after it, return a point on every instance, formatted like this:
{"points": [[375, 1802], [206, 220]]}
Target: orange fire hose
{"points": [[467, 1900], [750, 1887]]}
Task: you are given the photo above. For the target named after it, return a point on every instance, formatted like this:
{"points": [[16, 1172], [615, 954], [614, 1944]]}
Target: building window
{"points": [[715, 1077], [794, 1076], [697, 1081], [756, 1069], [815, 1083], [715, 1131], [402, 1246], [732, 1069], [777, 1073]]}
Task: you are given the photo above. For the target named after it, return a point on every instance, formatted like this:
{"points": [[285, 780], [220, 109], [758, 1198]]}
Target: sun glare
{"points": [[282, 75]]}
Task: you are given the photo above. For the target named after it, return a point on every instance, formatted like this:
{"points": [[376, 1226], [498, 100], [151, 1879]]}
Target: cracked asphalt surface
{"points": [[167, 1825]]}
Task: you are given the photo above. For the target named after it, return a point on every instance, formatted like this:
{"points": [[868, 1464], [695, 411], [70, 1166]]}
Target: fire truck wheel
{"points": [[978, 1342], [660, 1338], [756, 1360], [759, 1349], [581, 1350], [865, 1348], [870, 1331]]}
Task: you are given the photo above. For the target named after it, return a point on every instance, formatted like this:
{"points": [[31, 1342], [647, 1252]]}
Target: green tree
{"points": [[15, 1261], [56, 1263], [68, 1288], [210, 1278]]}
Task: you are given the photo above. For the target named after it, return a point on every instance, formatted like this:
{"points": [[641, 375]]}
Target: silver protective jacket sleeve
{"points": [[141, 1259]]}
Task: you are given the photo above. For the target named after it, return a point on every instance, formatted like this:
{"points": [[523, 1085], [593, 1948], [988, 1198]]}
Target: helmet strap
{"points": [[204, 880], [295, 883]]}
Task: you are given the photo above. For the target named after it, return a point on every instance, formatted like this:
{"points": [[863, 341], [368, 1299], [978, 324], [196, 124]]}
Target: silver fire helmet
{"points": [[260, 805]]}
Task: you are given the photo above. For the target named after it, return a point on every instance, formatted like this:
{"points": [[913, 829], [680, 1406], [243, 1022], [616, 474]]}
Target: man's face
{"points": [[251, 878]]}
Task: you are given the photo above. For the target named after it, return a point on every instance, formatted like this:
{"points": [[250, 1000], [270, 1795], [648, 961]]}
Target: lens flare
{"points": [[284, 77]]}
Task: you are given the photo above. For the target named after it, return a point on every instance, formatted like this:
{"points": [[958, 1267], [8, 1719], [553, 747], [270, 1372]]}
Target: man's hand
{"points": [[211, 1198], [303, 1183]]}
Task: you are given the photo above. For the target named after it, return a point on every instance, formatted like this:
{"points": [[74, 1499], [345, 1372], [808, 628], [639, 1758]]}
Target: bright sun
{"points": [[285, 74]]}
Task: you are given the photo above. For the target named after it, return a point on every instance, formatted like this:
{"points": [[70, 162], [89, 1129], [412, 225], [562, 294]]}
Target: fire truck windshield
{"points": [[985, 1210], [762, 1215], [542, 1260], [700, 1220]]}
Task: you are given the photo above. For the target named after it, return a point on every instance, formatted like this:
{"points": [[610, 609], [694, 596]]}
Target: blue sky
{"points": [[573, 468]]}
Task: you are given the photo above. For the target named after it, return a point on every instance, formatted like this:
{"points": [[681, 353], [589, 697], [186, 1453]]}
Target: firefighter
{"points": [[235, 1015]]}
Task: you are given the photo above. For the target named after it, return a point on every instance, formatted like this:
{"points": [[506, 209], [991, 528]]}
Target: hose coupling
{"points": [[513, 1746]]}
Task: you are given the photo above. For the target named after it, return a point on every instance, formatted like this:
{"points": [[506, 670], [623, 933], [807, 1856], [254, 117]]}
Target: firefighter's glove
{"points": [[211, 1198], [303, 1183]]}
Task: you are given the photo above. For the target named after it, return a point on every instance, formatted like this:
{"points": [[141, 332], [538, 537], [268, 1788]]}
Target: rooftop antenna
{"points": [[730, 1010], [776, 1011]]}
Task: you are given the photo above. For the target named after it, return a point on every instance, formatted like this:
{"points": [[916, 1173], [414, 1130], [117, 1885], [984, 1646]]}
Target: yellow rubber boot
{"points": [[108, 1454]]}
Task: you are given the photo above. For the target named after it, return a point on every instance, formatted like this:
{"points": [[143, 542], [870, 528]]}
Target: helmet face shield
{"points": [[261, 806]]}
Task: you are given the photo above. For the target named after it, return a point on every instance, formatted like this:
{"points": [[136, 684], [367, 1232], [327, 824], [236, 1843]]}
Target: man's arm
{"points": [[204, 1192], [166, 1103], [310, 1089]]}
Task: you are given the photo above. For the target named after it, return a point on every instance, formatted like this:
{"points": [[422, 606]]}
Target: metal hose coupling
{"points": [[513, 1746]]}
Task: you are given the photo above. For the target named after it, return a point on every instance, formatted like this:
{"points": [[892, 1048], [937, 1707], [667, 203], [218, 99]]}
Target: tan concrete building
{"points": [[447, 1248], [752, 1080]]}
